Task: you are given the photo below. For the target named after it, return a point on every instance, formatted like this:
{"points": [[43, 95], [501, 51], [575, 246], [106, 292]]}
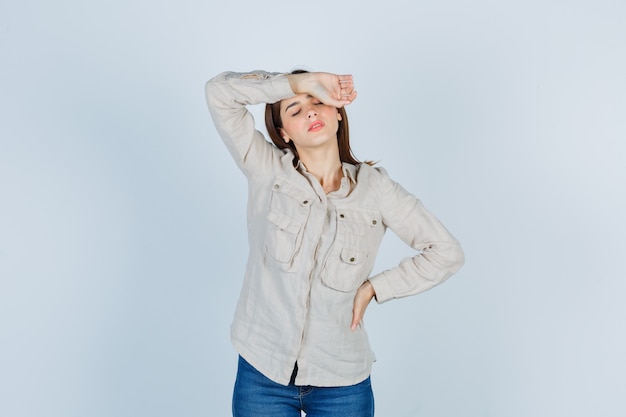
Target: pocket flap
{"points": [[283, 222], [352, 256]]}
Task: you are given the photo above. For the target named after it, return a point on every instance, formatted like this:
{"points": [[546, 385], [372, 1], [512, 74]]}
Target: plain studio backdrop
{"points": [[122, 215]]}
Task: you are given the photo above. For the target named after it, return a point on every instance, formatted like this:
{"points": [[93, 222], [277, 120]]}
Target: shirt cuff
{"points": [[383, 289], [281, 88]]}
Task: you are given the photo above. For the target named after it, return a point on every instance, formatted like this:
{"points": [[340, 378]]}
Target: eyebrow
{"points": [[295, 103]]}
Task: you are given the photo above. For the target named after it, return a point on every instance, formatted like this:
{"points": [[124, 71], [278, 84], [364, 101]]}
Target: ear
{"points": [[339, 116], [284, 135]]}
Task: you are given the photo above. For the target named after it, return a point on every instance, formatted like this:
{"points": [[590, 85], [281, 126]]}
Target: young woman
{"points": [[316, 217]]}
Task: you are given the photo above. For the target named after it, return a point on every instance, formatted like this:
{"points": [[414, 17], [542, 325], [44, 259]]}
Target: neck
{"points": [[325, 166]]}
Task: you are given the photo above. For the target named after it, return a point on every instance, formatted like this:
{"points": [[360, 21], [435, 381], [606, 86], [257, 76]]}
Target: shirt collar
{"points": [[349, 170]]}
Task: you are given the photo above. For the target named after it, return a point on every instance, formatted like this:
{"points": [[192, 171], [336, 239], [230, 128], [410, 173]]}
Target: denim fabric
{"points": [[255, 395]]}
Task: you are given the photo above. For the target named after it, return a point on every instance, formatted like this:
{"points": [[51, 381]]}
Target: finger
{"points": [[347, 90], [357, 315], [346, 83], [347, 99], [345, 78], [356, 319], [347, 87], [351, 96]]}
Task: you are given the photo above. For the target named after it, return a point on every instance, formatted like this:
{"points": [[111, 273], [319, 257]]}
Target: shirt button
{"points": [[276, 186], [351, 259], [374, 222], [341, 215], [305, 202]]}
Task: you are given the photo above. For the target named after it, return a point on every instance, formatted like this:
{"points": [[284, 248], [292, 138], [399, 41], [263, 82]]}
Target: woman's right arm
{"points": [[229, 93], [227, 96]]}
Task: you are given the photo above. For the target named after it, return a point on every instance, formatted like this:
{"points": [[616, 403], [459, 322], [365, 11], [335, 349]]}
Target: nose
{"points": [[311, 113]]}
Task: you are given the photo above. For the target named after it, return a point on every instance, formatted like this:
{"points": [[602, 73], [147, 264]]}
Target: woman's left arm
{"points": [[439, 253]]}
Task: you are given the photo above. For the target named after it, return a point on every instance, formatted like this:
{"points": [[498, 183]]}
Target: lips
{"points": [[316, 125]]}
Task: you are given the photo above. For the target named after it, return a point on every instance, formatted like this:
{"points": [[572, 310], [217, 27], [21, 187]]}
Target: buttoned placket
{"points": [[323, 207], [326, 233]]}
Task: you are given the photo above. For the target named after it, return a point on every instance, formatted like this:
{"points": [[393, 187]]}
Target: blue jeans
{"points": [[255, 395]]}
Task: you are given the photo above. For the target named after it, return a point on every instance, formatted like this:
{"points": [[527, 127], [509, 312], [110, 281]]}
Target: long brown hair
{"points": [[274, 123]]}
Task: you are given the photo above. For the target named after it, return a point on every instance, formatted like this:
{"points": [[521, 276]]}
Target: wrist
{"points": [[303, 82], [367, 286]]}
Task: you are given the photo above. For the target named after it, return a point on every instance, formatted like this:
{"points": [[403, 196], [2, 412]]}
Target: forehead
{"points": [[294, 101]]}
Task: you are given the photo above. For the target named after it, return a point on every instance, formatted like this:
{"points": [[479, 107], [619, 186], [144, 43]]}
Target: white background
{"points": [[122, 216]]}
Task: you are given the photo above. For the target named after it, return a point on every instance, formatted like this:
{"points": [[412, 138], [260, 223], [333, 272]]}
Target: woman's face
{"points": [[308, 122]]}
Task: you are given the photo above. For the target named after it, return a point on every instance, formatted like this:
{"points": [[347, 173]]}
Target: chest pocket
{"points": [[286, 219], [359, 232]]}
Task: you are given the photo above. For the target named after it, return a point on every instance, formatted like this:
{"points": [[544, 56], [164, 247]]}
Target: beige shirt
{"points": [[309, 251]]}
